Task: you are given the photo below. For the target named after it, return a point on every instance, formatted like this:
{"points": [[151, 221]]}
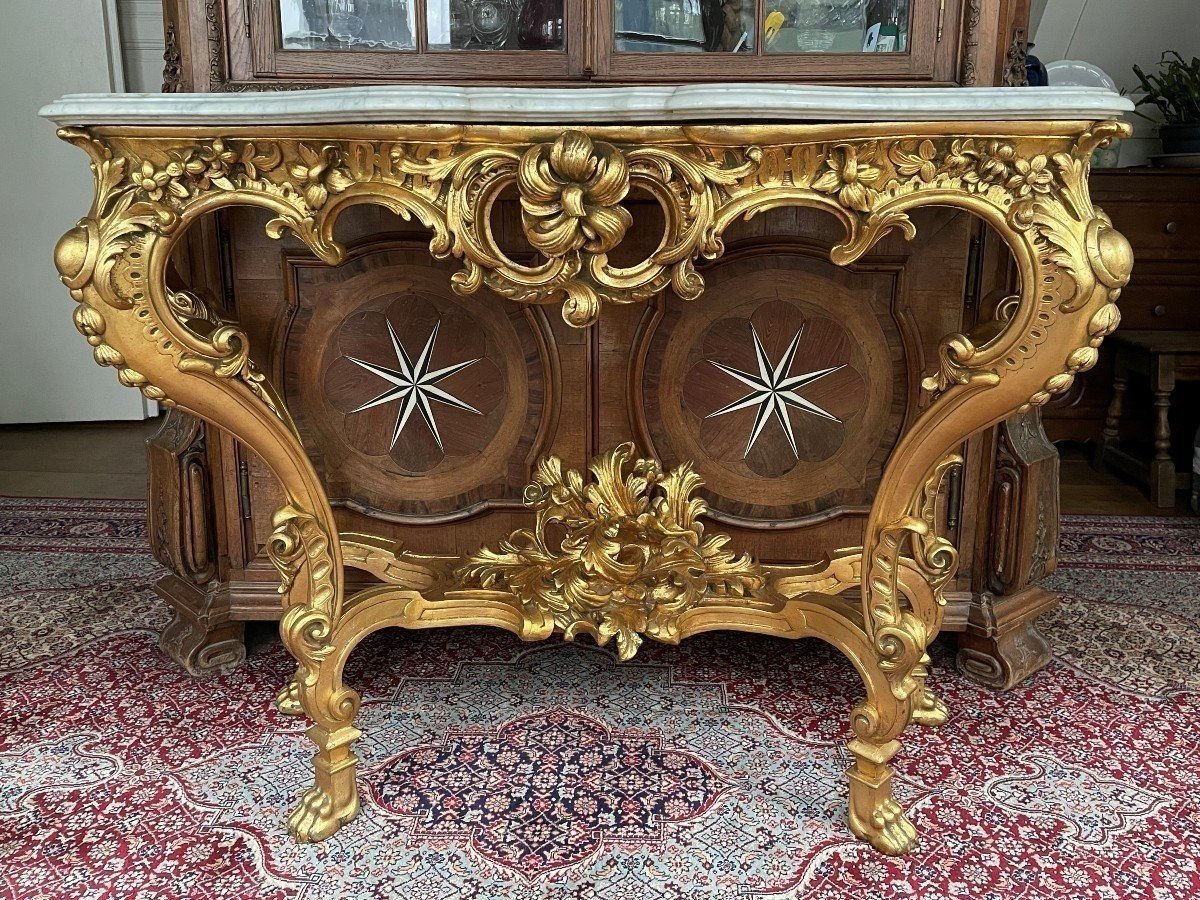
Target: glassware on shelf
{"points": [[303, 23], [387, 25], [345, 23], [684, 26], [472, 24], [815, 26], [540, 25]]}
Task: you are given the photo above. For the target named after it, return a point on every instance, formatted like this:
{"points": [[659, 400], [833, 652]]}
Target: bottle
{"points": [[886, 26], [1035, 69]]}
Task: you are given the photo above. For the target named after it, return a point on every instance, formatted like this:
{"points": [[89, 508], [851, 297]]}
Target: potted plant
{"points": [[1175, 90]]}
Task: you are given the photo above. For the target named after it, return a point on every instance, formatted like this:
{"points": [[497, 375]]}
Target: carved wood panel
{"points": [[786, 382], [179, 515], [419, 406]]}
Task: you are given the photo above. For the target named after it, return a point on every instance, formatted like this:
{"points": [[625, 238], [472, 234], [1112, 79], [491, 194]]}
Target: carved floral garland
{"points": [[571, 191]]}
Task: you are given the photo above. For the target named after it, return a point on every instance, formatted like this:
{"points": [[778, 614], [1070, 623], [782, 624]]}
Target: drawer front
{"points": [[1158, 228], [1161, 302]]}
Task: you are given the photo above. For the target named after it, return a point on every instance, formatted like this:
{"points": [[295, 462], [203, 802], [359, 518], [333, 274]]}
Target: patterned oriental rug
{"points": [[496, 769]]}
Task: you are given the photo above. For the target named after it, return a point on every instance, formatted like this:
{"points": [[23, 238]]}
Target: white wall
{"points": [[47, 48], [141, 28], [1115, 34]]}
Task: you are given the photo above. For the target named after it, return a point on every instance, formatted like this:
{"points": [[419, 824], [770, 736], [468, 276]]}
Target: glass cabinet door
{"points": [[834, 40], [364, 40], [624, 41]]}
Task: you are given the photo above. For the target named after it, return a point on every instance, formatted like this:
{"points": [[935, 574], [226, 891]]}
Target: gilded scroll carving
{"points": [[571, 191], [632, 558], [137, 203]]}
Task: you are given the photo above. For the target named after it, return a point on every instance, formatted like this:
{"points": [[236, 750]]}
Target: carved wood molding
{"points": [[182, 530], [1015, 74], [172, 60], [1025, 514], [967, 73]]}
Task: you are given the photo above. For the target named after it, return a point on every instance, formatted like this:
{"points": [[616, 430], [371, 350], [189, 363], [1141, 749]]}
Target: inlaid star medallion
{"points": [[772, 388], [414, 385], [417, 380], [773, 391]]}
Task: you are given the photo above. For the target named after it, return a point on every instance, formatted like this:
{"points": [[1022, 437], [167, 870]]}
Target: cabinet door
{"points": [[829, 40], [357, 41]]}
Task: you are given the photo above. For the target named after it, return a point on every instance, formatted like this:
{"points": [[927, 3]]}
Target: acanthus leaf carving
{"points": [[633, 556]]}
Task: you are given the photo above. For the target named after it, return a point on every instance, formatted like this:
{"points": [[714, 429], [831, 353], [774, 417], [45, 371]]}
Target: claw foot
{"points": [[888, 830], [317, 817], [929, 711], [287, 701]]}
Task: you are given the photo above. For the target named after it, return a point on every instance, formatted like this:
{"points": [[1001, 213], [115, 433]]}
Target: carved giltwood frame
{"points": [[635, 559]]}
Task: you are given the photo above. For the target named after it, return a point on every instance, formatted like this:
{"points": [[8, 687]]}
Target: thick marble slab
{"points": [[646, 104]]}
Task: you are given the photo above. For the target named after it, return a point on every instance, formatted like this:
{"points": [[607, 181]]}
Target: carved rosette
{"points": [[570, 191]]}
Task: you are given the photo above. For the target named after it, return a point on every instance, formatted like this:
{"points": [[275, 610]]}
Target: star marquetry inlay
{"points": [[414, 385], [773, 391]]}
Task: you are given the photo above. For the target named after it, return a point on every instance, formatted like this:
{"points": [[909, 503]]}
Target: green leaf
{"points": [[1174, 89]]}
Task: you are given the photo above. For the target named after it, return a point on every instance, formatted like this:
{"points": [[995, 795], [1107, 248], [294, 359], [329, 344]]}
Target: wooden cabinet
{"points": [[523, 383], [257, 44], [1158, 210]]}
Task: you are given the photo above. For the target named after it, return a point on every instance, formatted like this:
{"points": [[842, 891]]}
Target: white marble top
{"points": [[654, 104]]}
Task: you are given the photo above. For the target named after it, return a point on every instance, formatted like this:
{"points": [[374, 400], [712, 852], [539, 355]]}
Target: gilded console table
{"points": [[620, 552]]}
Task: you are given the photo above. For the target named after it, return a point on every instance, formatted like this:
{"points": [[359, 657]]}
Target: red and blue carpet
{"points": [[496, 769]]}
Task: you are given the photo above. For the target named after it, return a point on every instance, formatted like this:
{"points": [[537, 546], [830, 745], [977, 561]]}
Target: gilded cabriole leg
{"points": [[173, 349], [1072, 266]]}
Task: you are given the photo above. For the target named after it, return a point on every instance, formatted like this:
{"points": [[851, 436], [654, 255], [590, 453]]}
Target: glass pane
{"points": [[835, 26], [495, 24], [684, 26], [347, 24]]}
